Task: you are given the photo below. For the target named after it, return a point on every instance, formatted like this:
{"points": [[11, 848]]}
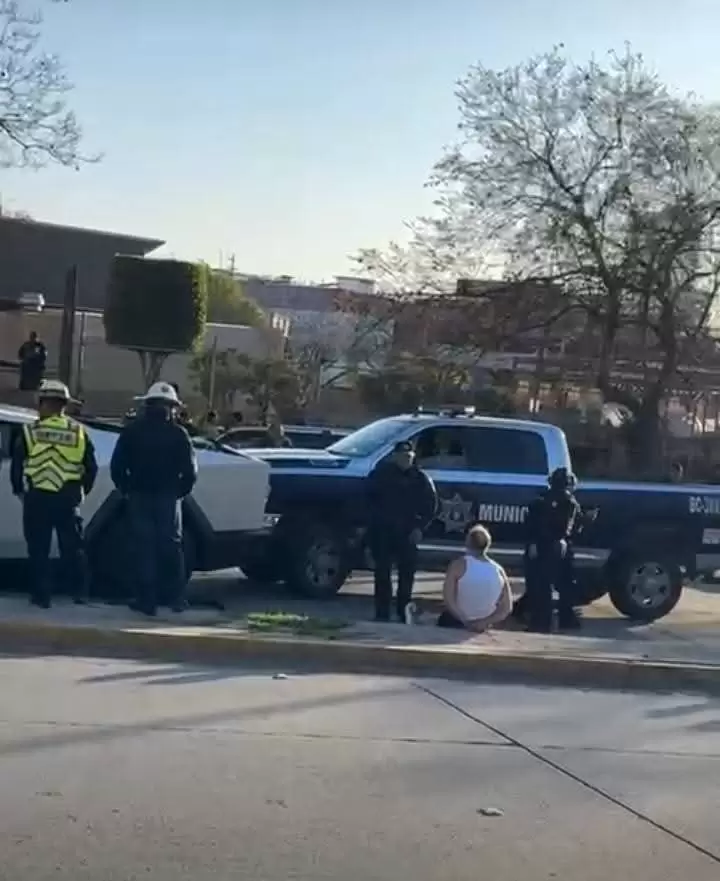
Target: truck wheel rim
{"points": [[649, 585], [323, 564]]}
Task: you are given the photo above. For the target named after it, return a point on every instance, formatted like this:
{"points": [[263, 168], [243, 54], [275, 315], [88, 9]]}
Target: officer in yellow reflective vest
{"points": [[53, 468]]}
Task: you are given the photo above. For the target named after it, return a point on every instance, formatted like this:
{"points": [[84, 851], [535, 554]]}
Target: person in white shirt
{"points": [[476, 591]]}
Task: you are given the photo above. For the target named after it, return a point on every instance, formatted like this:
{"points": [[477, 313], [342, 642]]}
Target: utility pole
{"points": [[67, 332]]}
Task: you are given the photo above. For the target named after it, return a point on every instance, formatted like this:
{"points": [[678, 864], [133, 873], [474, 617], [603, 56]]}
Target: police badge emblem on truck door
{"points": [[455, 513]]}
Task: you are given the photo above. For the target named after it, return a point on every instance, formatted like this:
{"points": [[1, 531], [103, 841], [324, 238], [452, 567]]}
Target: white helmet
{"points": [[53, 388], [161, 391]]}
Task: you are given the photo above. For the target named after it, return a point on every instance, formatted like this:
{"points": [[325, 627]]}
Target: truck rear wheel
{"points": [[317, 565], [646, 587]]}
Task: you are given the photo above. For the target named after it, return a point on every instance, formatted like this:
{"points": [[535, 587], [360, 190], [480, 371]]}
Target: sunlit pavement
{"points": [[126, 770], [697, 616]]}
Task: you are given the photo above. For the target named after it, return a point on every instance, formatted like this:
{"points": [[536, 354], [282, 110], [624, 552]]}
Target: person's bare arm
{"points": [[501, 611], [504, 604], [454, 573]]}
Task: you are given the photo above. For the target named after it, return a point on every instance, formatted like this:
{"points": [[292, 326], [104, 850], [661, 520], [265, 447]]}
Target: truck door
{"points": [[483, 474]]}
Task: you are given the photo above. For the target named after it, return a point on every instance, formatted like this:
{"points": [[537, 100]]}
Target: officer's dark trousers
{"points": [[547, 571], [392, 548], [43, 513], [155, 522]]}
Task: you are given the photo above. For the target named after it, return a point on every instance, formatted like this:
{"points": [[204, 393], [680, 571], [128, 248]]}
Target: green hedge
{"points": [[158, 305]]}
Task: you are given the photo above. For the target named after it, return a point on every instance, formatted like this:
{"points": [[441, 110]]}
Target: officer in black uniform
{"points": [[53, 468], [154, 467], [550, 522], [401, 502]]}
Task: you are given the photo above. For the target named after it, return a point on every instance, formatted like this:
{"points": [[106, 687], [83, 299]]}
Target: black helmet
{"points": [[562, 478]]}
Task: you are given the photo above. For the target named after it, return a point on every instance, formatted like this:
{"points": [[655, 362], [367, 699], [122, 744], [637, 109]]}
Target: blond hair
{"points": [[478, 539]]}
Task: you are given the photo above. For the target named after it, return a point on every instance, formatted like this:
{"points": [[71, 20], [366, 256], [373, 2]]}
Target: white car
{"points": [[227, 506]]}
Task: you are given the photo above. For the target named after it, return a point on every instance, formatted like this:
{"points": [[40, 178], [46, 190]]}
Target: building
{"points": [[337, 321], [35, 257]]}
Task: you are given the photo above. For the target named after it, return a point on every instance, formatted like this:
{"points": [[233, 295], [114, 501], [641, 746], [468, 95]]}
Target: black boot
{"points": [[143, 609], [539, 625], [569, 619]]}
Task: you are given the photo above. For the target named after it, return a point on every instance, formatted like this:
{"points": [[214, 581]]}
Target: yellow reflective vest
{"points": [[54, 453]]}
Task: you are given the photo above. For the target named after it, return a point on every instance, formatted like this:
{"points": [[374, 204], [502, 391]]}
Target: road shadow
{"points": [[88, 734], [712, 588], [691, 713]]}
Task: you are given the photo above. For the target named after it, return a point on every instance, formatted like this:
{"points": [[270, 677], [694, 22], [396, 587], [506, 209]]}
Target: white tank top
{"points": [[480, 587]]}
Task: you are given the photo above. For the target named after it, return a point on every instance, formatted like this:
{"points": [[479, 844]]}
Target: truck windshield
{"points": [[366, 441]]}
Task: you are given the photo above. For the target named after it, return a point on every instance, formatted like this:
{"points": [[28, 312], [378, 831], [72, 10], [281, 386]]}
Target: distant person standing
{"points": [[211, 428], [276, 436], [401, 502], [32, 355], [154, 467], [677, 472]]}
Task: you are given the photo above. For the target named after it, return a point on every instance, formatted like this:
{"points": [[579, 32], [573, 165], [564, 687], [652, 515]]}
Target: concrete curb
{"points": [[585, 671]]}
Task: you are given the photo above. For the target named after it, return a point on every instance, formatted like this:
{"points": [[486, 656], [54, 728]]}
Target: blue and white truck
{"points": [[641, 543]]}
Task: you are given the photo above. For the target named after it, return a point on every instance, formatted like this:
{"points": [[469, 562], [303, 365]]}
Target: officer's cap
{"points": [[562, 477], [403, 447]]}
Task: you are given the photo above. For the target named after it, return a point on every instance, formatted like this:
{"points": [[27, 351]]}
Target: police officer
{"points": [[401, 502], [53, 467], [154, 467], [550, 522]]}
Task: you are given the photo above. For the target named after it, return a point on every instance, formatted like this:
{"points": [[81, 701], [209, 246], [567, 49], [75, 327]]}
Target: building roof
{"points": [[35, 257], [42, 225]]}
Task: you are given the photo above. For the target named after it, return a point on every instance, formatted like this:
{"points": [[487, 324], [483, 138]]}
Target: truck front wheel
{"points": [[317, 563], [645, 587], [261, 569]]}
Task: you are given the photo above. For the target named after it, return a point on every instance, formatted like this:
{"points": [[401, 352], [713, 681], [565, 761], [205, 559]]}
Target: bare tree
{"points": [[36, 126], [353, 339], [600, 181]]}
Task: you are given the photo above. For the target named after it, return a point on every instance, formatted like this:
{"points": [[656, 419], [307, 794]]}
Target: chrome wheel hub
{"points": [[650, 584]]}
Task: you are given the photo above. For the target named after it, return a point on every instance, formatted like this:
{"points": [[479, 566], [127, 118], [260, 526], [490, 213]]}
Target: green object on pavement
{"points": [[300, 625]]}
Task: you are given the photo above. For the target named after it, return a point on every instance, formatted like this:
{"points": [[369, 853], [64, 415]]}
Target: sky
{"points": [[291, 133]]}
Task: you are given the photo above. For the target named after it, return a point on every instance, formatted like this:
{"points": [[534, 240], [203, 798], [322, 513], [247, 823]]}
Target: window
{"points": [[370, 439], [442, 448], [505, 450], [244, 437]]}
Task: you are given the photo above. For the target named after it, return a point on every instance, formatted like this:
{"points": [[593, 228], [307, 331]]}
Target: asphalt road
{"points": [[124, 770]]}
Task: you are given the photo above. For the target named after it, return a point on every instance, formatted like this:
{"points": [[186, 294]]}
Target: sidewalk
{"points": [[680, 652]]}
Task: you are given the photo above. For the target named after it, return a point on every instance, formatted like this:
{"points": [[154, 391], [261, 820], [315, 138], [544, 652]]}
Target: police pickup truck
{"points": [[640, 544]]}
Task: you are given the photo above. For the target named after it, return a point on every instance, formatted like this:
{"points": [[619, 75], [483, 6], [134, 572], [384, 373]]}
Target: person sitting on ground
{"points": [[476, 591]]}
